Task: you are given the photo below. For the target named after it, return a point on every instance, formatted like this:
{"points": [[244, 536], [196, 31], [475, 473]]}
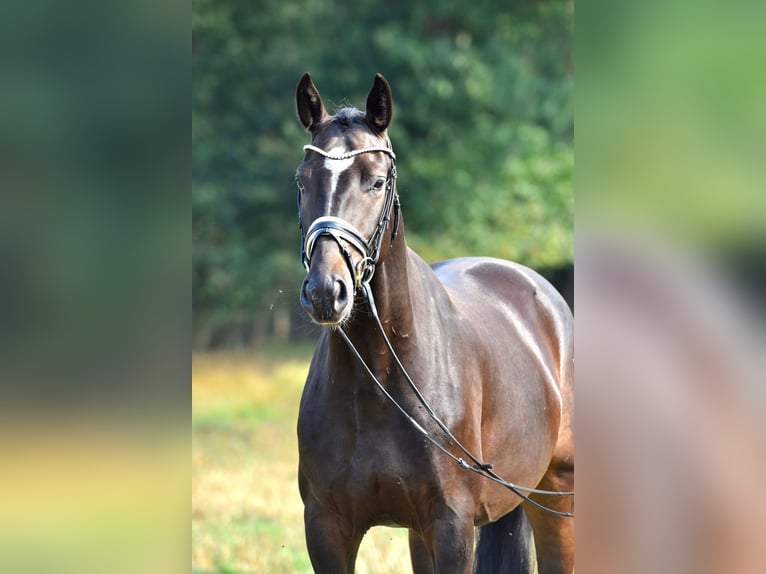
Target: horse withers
{"points": [[429, 382]]}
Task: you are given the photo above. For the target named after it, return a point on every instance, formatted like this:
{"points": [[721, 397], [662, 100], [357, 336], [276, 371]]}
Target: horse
{"points": [[419, 367]]}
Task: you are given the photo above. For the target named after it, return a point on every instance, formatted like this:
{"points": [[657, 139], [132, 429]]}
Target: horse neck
{"points": [[406, 293], [397, 291]]}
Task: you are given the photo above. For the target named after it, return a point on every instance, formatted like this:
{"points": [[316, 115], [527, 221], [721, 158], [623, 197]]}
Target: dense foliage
{"points": [[483, 129]]}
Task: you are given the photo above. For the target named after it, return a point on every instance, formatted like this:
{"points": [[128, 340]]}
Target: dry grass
{"points": [[247, 514]]}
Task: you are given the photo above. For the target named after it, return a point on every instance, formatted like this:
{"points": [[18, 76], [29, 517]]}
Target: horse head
{"points": [[346, 198]]}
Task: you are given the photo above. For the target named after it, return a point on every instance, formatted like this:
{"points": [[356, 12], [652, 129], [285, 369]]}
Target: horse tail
{"points": [[506, 546]]}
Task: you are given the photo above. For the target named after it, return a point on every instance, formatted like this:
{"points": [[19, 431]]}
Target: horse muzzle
{"points": [[327, 291]]}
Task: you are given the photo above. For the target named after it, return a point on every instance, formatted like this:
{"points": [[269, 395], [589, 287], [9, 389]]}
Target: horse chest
{"points": [[383, 472]]}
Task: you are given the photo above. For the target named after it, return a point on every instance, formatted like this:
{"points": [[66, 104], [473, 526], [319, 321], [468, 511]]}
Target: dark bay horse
{"points": [[486, 356]]}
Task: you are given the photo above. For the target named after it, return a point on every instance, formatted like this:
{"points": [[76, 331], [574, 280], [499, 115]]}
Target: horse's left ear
{"points": [[379, 105]]}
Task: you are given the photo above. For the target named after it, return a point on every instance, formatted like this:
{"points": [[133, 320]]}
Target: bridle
{"points": [[340, 229], [362, 272]]}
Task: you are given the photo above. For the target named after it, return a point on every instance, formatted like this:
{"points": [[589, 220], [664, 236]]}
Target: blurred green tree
{"points": [[483, 128]]}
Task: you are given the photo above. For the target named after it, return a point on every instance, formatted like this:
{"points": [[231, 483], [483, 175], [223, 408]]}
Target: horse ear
{"points": [[379, 105], [310, 108]]}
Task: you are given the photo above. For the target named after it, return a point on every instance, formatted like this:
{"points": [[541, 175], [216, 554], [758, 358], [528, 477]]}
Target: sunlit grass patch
{"points": [[224, 383], [246, 510]]}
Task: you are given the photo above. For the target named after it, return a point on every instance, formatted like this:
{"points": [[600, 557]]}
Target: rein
{"points": [[362, 273], [482, 469]]}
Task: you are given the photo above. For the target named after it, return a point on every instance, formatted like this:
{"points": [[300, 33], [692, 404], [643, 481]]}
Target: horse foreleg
{"points": [[332, 551], [420, 555], [451, 541]]}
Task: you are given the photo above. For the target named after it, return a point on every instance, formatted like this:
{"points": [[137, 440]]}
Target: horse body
{"points": [[489, 345]]}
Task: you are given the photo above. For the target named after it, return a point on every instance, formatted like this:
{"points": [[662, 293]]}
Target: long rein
{"points": [[480, 468], [340, 229]]}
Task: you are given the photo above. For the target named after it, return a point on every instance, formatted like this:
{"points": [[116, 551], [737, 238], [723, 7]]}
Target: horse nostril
{"points": [[305, 298], [340, 294]]}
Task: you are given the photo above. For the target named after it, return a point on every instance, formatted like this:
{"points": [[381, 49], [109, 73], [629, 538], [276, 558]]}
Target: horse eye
{"points": [[299, 184], [379, 183]]}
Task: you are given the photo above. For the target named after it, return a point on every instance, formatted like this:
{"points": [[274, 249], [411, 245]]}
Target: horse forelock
{"points": [[346, 117], [343, 121]]}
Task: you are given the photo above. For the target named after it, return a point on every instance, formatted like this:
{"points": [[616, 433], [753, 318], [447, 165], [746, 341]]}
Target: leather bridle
{"points": [[343, 231]]}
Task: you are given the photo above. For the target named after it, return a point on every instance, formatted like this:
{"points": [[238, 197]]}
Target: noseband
{"points": [[340, 229]]}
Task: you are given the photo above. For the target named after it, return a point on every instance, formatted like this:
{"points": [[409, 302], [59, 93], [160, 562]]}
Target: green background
{"points": [[483, 130]]}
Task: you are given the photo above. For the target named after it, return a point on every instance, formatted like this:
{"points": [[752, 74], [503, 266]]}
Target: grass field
{"points": [[247, 515]]}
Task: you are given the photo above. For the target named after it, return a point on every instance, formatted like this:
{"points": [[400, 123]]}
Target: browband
{"points": [[349, 154]]}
